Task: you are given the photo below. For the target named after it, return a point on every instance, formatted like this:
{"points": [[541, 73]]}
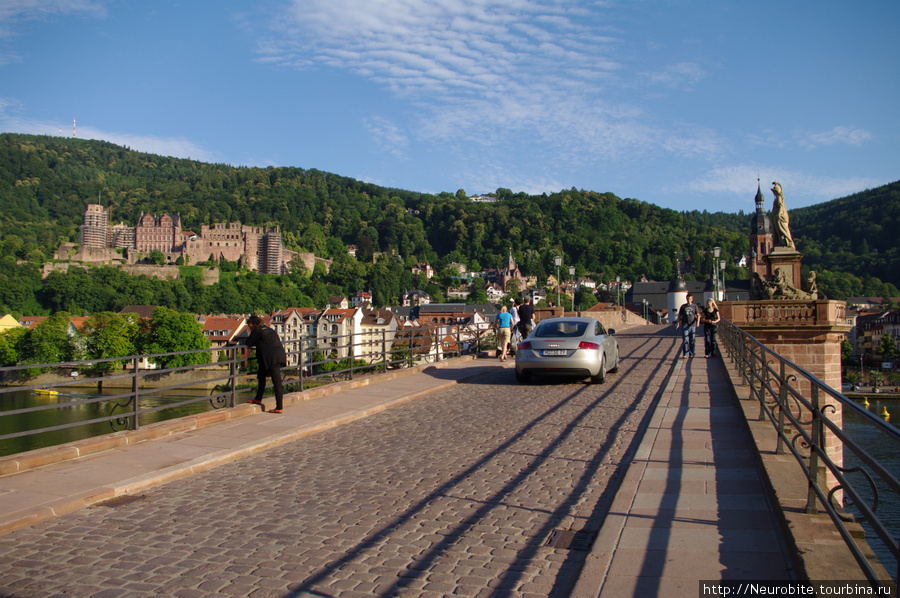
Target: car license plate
{"points": [[554, 352]]}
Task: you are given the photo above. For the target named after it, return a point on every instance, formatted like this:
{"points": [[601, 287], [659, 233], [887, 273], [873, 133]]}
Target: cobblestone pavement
{"points": [[456, 493]]}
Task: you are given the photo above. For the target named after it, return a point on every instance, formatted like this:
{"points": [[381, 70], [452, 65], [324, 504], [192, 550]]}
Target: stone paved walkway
{"points": [[693, 506], [461, 492]]}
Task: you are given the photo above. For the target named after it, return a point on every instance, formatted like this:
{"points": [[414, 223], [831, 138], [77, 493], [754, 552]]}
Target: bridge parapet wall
{"points": [[614, 318], [808, 333], [805, 333]]}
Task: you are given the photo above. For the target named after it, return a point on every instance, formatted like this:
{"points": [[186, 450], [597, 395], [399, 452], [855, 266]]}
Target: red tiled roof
{"points": [[78, 322], [31, 321]]}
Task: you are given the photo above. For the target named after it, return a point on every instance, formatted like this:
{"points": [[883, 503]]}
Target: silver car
{"points": [[568, 347]]}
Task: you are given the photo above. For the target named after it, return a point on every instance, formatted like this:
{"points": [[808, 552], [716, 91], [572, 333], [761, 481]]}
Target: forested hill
{"points": [[859, 234], [46, 182], [851, 239]]}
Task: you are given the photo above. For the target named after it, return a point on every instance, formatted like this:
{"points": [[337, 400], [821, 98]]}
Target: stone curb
{"points": [[168, 474], [22, 462]]}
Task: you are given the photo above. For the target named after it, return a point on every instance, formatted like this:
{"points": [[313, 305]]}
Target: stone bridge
{"points": [[443, 480]]}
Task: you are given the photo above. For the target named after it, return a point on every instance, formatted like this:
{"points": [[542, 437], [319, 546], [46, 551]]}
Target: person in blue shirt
{"points": [[504, 325]]}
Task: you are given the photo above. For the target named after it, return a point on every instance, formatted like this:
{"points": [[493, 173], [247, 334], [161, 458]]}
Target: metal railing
{"points": [[228, 373], [808, 416]]}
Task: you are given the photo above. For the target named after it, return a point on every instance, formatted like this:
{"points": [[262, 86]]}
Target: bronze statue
{"points": [[780, 220]]}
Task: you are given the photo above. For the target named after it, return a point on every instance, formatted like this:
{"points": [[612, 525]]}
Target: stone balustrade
{"points": [[803, 313]]}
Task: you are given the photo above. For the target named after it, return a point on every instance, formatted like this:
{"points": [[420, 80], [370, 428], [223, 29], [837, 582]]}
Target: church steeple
{"points": [[761, 240], [761, 223]]}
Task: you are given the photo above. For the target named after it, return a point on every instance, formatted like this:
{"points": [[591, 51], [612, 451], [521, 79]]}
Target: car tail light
{"points": [[587, 345], [525, 345]]}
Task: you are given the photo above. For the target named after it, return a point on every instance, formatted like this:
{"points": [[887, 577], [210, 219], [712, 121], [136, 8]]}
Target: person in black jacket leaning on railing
{"points": [[271, 358]]}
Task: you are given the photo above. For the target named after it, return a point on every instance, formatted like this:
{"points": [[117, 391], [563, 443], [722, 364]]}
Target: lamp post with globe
{"points": [[557, 260]]}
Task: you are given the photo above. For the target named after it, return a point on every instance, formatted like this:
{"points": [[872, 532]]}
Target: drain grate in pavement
{"points": [[120, 501], [568, 539]]}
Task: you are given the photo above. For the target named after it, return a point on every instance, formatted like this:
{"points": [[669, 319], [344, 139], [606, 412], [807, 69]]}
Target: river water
{"points": [[887, 453], [82, 410]]}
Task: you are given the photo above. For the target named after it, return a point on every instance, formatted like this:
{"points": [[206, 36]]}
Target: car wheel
{"points": [[600, 378], [523, 377], [615, 368]]}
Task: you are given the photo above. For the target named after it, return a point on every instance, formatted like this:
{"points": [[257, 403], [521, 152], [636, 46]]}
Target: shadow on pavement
{"points": [[420, 564]]}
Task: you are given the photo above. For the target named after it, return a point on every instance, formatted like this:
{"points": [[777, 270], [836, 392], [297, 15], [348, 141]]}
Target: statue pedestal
{"points": [[788, 261], [806, 333]]}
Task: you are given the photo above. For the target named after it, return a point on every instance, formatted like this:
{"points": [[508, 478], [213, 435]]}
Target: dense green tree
{"points": [[49, 341], [106, 335], [45, 182], [169, 331], [11, 345], [157, 257], [479, 295], [846, 350], [887, 348], [585, 298]]}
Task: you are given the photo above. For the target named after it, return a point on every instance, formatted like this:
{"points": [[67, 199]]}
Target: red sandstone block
{"points": [[142, 434], [25, 520], [99, 444], [41, 457], [8, 466], [181, 424], [211, 417]]}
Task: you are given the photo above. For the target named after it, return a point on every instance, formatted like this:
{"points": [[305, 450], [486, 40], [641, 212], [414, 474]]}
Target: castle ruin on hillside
{"points": [[257, 247]]}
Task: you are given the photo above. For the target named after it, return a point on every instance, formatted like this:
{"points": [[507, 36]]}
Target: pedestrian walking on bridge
{"points": [[687, 319], [504, 328], [710, 318]]}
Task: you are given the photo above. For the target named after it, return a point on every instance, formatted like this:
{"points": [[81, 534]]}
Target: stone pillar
{"points": [[807, 333], [788, 261]]}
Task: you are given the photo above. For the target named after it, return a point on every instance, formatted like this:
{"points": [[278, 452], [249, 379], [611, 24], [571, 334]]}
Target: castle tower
{"points": [[94, 231]]}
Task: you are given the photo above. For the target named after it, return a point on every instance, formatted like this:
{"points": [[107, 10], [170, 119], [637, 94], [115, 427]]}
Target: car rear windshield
{"points": [[560, 329]]}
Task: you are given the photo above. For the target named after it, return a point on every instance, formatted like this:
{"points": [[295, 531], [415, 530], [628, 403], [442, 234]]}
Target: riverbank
{"points": [[859, 396]]}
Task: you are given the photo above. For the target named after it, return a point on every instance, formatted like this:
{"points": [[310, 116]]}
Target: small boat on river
{"points": [[49, 392]]}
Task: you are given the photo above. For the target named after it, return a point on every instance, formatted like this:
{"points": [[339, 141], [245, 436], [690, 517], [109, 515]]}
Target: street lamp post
{"points": [[722, 287], [557, 260], [618, 286], [717, 251], [571, 278]]}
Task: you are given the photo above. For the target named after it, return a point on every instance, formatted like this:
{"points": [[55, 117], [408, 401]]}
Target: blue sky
{"points": [[678, 103]]}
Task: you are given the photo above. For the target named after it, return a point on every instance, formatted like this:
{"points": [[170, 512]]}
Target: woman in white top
{"points": [[514, 312]]}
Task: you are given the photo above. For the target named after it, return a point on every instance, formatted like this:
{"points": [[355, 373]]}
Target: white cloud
{"points": [[839, 135], [477, 72], [800, 188], [13, 12], [680, 75], [387, 134]]}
